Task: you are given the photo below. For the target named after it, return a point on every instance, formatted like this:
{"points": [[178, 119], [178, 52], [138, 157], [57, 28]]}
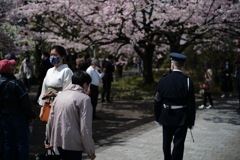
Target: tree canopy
{"points": [[146, 27]]}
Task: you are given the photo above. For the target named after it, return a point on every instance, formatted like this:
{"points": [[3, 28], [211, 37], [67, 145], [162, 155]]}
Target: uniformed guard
{"points": [[174, 108]]}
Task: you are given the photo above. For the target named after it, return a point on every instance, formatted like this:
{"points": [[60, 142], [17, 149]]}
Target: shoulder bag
{"points": [[45, 110]]}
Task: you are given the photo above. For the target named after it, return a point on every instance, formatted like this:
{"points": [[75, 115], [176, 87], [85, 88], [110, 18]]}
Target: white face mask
{"points": [[96, 68]]}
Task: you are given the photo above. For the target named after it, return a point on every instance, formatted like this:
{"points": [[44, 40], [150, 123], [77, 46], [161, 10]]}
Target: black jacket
{"points": [[108, 76], [15, 98], [173, 90], [44, 68]]}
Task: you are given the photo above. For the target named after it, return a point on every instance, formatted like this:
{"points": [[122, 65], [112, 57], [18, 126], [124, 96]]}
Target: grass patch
{"points": [[130, 88]]}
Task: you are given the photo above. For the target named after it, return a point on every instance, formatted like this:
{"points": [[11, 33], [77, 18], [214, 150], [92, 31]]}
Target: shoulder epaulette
{"points": [[165, 74]]}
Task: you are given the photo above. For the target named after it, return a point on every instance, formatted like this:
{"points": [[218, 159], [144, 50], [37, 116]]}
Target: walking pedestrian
{"points": [[226, 86], [16, 113], [26, 71], [70, 122], [93, 88], [208, 79], [174, 108], [107, 78]]}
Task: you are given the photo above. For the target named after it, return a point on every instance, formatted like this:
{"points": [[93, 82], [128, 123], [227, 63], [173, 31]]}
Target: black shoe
{"points": [[96, 118]]}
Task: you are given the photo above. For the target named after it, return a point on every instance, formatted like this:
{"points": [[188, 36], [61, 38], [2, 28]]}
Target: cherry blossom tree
{"points": [[143, 26], [6, 41]]}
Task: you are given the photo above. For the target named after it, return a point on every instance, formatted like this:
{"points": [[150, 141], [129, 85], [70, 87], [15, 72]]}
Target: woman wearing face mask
{"points": [[57, 77], [226, 86], [93, 88]]}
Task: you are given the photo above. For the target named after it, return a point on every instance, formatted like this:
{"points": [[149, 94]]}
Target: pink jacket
{"points": [[70, 121]]}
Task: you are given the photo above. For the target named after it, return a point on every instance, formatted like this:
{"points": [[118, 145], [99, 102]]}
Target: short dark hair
{"points": [[60, 50], [178, 64], [80, 77], [110, 57], [46, 54]]}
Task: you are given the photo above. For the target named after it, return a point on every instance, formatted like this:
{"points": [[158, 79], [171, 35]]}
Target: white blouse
{"points": [[56, 78]]}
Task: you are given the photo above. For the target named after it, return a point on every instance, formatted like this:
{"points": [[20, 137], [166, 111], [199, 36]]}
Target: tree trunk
{"points": [[38, 54], [147, 56], [147, 70]]}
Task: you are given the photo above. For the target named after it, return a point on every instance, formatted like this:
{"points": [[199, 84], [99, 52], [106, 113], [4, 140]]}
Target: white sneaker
{"points": [[208, 107], [230, 95], [201, 107], [223, 96]]}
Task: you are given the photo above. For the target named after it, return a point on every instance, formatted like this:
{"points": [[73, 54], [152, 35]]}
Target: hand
{"points": [[92, 156], [88, 92], [191, 127], [104, 69], [158, 123], [41, 112], [48, 146], [47, 95], [31, 122]]}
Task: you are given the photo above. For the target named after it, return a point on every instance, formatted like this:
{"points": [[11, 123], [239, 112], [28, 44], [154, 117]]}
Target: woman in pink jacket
{"points": [[70, 121]]}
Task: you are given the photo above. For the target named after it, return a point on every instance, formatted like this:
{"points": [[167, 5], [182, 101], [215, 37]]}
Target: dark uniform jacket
{"points": [[14, 97], [108, 76], [173, 90]]}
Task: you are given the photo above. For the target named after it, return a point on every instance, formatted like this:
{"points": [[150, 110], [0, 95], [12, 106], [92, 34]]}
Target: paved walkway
{"points": [[216, 135], [127, 132]]}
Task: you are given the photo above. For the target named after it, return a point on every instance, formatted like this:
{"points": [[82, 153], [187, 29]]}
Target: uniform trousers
{"points": [[94, 97], [179, 133]]}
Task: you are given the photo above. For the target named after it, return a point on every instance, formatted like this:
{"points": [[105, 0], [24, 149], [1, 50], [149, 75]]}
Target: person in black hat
{"points": [[174, 108], [236, 75]]}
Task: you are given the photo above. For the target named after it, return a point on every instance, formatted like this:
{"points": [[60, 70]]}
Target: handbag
{"points": [[204, 86], [45, 110], [46, 156]]}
